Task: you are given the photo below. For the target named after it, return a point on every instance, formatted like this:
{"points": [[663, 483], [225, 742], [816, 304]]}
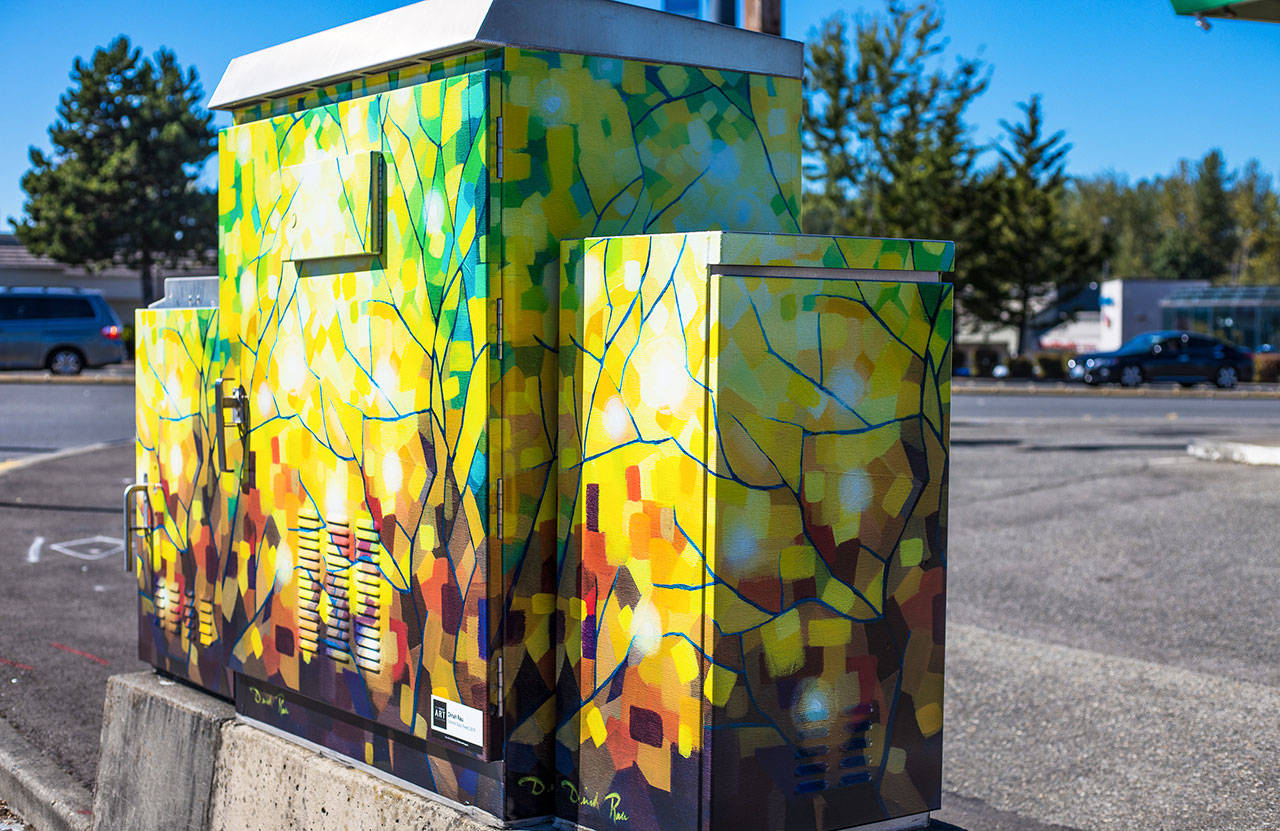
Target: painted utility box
{"points": [[368, 518], [753, 456]]}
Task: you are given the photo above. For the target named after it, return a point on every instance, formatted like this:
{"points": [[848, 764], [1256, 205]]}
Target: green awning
{"points": [[1268, 10]]}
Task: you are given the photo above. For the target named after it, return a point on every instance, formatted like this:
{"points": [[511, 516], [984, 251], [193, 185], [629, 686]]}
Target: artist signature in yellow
{"points": [[270, 700], [612, 801]]}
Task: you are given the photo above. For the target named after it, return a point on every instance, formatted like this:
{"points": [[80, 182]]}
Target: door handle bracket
{"points": [[237, 403], [131, 529]]}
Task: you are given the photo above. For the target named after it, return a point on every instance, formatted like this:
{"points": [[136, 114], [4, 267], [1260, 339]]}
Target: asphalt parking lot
{"points": [[1113, 629]]}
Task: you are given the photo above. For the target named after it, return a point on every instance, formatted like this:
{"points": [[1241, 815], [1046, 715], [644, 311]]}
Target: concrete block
{"points": [[160, 740], [265, 783], [176, 758]]}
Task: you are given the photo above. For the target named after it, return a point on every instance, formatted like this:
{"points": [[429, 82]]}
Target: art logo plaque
{"points": [[457, 721]]}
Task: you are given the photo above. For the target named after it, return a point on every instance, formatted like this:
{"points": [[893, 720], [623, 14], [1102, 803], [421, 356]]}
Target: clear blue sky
{"points": [[1135, 87]]}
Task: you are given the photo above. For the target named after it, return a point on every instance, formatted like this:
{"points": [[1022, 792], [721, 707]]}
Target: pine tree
{"points": [[120, 184], [890, 153], [1027, 253]]}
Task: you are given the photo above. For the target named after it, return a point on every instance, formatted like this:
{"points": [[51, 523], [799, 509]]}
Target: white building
{"points": [[1123, 309]]}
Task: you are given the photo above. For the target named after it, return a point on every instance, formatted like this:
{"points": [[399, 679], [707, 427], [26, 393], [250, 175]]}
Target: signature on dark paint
{"points": [[612, 801], [270, 700]]}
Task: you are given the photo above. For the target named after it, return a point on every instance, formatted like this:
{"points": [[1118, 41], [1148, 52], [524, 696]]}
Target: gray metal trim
{"points": [[882, 275], [908, 823], [434, 28], [898, 824], [189, 293]]}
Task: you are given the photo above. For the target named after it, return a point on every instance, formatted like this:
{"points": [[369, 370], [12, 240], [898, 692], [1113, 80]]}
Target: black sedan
{"points": [[1184, 357]]}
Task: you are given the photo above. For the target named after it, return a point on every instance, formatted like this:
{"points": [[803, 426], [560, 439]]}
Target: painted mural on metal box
{"points": [[753, 499], [598, 145], [359, 245], [375, 533], [355, 250], [180, 597]]}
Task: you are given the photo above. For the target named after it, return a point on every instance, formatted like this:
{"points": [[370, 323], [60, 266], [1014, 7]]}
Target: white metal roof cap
{"points": [[438, 27]]}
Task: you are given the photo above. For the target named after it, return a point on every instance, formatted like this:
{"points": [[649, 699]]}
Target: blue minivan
{"points": [[60, 329]]}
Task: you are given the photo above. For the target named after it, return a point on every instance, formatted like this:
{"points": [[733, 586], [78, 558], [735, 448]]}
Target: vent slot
{"points": [[205, 615], [190, 622], [169, 605], [367, 596], [160, 598], [336, 612], [822, 765], [310, 569]]}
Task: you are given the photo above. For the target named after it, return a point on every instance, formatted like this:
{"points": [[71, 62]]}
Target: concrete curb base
{"points": [[1235, 451], [160, 741], [174, 757], [40, 791], [311, 790]]}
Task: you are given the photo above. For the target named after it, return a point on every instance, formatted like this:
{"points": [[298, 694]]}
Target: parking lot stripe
{"points": [[26, 461], [74, 651], [1090, 740]]}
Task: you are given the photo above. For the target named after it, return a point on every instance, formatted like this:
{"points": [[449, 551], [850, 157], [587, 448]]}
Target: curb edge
{"points": [[40, 791], [1239, 452]]}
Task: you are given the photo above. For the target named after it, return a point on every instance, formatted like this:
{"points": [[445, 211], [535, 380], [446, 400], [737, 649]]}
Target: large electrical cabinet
{"points": [[496, 463]]}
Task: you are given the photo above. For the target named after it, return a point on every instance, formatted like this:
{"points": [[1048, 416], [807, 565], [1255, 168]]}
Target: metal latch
{"points": [[131, 530], [238, 403]]}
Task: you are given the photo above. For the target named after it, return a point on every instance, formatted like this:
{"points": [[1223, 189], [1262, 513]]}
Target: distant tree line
{"points": [[1203, 222], [889, 153]]}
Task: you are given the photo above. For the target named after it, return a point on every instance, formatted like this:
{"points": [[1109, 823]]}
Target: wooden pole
{"points": [[762, 16]]}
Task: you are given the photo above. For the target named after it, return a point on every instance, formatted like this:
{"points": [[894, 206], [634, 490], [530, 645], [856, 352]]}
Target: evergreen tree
{"points": [[1123, 215], [1027, 253], [1199, 227], [120, 184], [1202, 221], [890, 152]]}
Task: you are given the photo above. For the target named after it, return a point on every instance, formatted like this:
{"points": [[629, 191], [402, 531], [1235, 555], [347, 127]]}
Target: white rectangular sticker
{"points": [[457, 721]]}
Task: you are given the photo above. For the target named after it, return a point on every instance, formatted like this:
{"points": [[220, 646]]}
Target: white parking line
{"points": [[89, 548], [33, 553], [27, 461], [1091, 740]]}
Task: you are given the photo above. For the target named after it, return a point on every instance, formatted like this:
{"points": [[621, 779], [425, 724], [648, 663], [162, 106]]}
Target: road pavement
{"points": [[1112, 658], [42, 418], [69, 618], [1112, 623]]}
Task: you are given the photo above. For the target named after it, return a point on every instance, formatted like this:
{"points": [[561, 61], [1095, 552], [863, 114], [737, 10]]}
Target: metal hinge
{"points": [[499, 147], [499, 512], [501, 686], [499, 314]]}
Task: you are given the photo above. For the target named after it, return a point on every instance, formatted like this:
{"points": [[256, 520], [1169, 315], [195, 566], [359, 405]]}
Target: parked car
{"points": [[62, 330], [1183, 357]]}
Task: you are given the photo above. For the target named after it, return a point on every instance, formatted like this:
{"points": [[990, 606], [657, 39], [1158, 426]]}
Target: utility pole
{"points": [[762, 16], [688, 8], [758, 15]]}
